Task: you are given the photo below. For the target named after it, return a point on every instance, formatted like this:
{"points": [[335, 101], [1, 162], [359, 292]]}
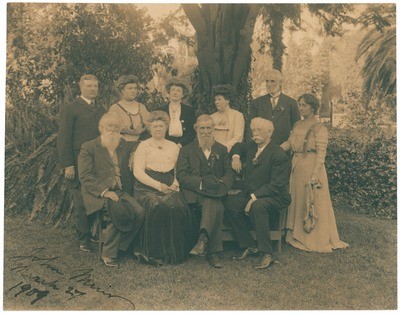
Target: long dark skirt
{"points": [[167, 231]]}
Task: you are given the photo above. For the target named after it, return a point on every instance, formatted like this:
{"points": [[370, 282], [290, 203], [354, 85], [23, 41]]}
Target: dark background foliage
{"points": [[362, 172]]}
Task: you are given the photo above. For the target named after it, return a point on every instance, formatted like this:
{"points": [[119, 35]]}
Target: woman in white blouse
{"points": [[229, 123], [167, 231]]}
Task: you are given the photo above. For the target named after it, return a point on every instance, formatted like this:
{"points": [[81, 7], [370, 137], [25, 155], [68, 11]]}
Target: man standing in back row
{"points": [[79, 122], [275, 106]]}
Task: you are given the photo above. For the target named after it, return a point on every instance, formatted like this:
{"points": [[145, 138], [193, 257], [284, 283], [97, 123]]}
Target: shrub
{"points": [[362, 171]]}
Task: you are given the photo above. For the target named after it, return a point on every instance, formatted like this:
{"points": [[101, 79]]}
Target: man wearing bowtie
{"points": [[265, 193], [275, 106]]}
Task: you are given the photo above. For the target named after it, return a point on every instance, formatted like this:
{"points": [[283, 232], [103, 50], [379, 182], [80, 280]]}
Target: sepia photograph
{"points": [[200, 156]]}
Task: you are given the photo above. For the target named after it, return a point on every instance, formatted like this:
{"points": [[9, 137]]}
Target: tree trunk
{"points": [[277, 47], [224, 33]]}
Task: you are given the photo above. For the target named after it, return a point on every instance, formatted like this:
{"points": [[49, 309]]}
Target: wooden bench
{"points": [[276, 235]]}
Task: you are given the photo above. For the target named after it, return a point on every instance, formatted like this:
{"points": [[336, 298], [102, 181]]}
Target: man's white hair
{"points": [[273, 73], [109, 118], [202, 118], [267, 124]]}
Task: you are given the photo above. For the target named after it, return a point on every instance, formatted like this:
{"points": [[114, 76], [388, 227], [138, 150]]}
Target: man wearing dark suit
{"points": [[104, 175], [277, 107], [79, 123], [182, 117], [205, 175], [266, 191]]}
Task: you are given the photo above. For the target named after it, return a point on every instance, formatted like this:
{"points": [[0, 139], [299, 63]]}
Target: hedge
{"points": [[362, 171]]}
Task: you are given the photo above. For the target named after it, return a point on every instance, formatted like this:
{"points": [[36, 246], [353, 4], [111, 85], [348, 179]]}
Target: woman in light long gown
{"points": [[311, 223]]}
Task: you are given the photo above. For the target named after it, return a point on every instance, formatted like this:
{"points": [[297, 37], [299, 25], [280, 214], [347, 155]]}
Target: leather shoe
{"points": [[84, 247], [251, 250], [110, 262], [201, 246], [265, 261], [141, 258], [155, 262], [215, 261]]}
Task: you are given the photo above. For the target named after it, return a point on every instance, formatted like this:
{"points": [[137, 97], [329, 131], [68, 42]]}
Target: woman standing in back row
{"points": [[182, 117], [310, 221], [131, 114], [229, 123]]}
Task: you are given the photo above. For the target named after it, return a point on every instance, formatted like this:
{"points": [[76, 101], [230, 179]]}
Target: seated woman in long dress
{"points": [[167, 231], [229, 123], [131, 114], [311, 223]]}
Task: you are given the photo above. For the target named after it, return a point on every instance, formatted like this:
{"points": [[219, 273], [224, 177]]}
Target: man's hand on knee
{"points": [[111, 195]]}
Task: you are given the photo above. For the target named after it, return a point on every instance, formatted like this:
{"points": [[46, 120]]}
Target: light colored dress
{"points": [[309, 161], [228, 131], [132, 123]]}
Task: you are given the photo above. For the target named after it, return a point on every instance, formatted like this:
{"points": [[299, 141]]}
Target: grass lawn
{"points": [[43, 266]]}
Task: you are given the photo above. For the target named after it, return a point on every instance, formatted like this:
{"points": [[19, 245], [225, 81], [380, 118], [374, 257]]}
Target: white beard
{"points": [[110, 140], [206, 143]]}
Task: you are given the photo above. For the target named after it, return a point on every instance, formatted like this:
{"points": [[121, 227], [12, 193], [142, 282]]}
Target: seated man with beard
{"points": [[205, 175], [104, 174]]}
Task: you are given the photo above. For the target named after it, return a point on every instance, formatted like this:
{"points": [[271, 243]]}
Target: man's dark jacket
{"points": [[97, 172], [192, 165], [284, 116], [268, 174], [79, 123]]}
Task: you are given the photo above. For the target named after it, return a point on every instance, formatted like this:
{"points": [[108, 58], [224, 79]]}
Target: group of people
{"points": [[165, 177]]}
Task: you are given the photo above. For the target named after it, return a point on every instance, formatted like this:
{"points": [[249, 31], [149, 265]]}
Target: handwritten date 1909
{"points": [[40, 294]]}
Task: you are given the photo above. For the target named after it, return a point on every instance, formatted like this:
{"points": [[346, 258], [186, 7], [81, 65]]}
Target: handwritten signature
{"points": [[24, 266], [84, 275]]}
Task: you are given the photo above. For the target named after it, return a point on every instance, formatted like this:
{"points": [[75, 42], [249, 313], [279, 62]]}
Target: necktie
{"points": [[274, 101]]}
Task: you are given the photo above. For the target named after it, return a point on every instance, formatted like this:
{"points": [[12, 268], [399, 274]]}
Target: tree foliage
{"points": [[224, 33], [378, 48], [50, 47]]}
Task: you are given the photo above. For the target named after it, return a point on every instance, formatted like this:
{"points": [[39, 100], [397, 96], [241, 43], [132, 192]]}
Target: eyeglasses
{"points": [[270, 81]]}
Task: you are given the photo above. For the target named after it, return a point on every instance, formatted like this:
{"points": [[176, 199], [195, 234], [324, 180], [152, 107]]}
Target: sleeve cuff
{"points": [[102, 194], [253, 197]]}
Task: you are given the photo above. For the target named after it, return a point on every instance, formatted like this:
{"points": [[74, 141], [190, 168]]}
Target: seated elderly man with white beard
{"points": [[105, 177], [205, 175]]}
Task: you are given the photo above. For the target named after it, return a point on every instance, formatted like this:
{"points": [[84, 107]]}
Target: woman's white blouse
{"points": [[154, 155]]}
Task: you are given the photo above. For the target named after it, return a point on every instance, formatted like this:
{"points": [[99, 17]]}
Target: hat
{"points": [[213, 187], [121, 214], [178, 82]]}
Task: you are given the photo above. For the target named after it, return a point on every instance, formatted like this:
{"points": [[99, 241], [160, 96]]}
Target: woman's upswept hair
{"points": [[311, 100], [157, 115], [227, 91], [124, 80]]}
